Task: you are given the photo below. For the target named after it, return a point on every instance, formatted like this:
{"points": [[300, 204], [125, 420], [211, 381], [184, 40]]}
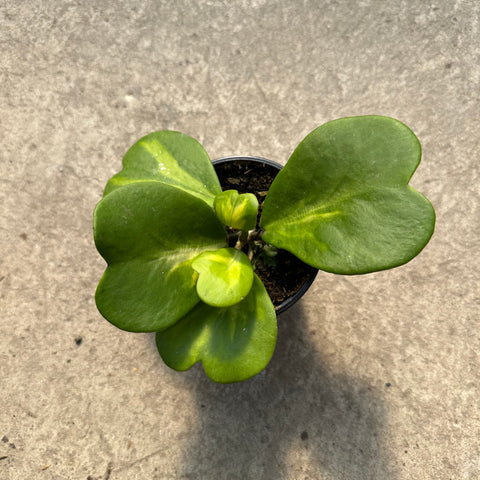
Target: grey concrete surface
{"points": [[374, 377]]}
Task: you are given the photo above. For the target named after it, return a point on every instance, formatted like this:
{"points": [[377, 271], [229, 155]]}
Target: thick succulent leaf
{"points": [[233, 343], [225, 276], [149, 233], [236, 210], [342, 203], [172, 158]]}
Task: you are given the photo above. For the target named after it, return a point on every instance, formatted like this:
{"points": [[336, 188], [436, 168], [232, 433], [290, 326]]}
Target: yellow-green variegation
{"points": [[225, 277], [236, 210], [172, 158], [343, 204], [149, 233]]}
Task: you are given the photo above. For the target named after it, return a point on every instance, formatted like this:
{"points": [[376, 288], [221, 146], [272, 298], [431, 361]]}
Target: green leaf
{"points": [[233, 343], [172, 158], [149, 233], [225, 277], [342, 203], [237, 210]]}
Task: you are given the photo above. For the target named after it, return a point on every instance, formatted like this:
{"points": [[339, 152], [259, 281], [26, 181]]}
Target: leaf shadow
{"points": [[296, 419]]}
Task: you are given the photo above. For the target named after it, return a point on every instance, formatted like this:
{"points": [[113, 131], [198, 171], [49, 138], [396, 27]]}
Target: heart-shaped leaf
{"points": [[343, 204], [172, 158], [233, 343], [236, 210], [225, 276], [149, 233]]}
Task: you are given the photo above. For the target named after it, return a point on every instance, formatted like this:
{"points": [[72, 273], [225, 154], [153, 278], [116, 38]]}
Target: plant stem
{"points": [[255, 234], [242, 240]]}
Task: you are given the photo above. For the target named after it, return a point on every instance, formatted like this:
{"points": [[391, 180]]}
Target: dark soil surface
{"points": [[284, 274]]}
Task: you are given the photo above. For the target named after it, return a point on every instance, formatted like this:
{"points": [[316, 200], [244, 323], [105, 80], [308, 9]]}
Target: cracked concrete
{"points": [[374, 377]]}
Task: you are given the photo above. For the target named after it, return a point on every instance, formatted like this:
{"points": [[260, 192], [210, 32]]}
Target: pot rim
{"points": [[233, 158], [289, 302]]}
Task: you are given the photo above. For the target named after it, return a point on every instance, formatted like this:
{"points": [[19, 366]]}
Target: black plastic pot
{"points": [[273, 169]]}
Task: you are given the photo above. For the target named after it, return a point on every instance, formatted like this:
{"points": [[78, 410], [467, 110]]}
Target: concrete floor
{"points": [[374, 377]]}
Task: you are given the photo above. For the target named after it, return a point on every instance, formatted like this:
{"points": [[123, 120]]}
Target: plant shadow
{"points": [[294, 420]]}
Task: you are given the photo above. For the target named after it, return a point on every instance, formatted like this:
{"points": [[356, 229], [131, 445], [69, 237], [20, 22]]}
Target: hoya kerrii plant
{"points": [[341, 204]]}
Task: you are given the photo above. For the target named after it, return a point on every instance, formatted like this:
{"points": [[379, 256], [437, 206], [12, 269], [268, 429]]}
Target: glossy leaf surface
{"points": [[171, 158], [149, 233], [237, 210], [343, 204], [233, 343], [225, 276]]}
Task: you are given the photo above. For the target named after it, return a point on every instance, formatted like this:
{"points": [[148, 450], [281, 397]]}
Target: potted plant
{"points": [[183, 255]]}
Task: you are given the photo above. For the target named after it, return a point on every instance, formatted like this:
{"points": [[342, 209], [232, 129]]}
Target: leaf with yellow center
{"points": [[225, 277], [343, 204], [236, 210], [170, 158]]}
